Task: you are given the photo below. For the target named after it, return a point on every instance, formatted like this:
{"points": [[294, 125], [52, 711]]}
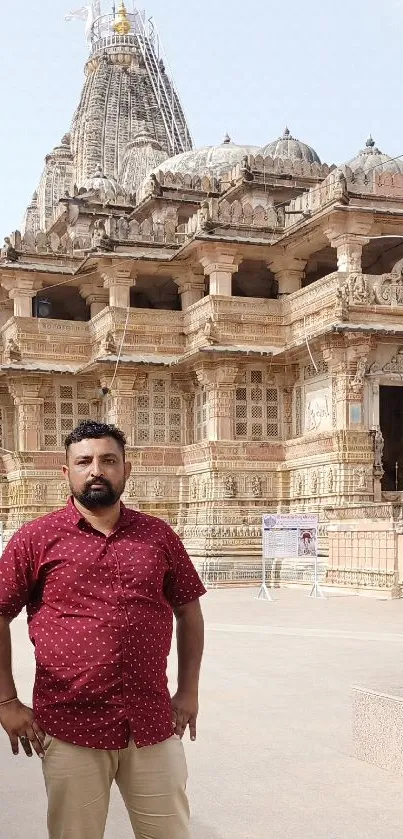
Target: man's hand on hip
{"points": [[20, 725], [185, 707]]}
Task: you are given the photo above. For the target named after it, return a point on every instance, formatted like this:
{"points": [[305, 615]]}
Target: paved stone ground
{"points": [[273, 758]]}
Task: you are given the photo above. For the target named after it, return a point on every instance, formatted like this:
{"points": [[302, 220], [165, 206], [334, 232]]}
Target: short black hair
{"points": [[94, 430]]}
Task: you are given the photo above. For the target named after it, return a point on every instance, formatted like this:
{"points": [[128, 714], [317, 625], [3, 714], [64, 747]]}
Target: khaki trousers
{"points": [[151, 780]]}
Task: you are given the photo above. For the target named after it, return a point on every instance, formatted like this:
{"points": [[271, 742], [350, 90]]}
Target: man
{"points": [[100, 583]]}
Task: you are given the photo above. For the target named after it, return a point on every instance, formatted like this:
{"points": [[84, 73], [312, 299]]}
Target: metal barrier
{"points": [[226, 573]]}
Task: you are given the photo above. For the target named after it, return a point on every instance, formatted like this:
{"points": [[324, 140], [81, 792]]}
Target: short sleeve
{"points": [[15, 577], [182, 582]]}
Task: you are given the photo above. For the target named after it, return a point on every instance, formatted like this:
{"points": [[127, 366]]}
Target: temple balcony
{"points": [[337, 302], [241, 323]]}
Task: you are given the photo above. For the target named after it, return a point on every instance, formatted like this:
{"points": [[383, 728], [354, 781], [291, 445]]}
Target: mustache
{"points": [[96, 481]]}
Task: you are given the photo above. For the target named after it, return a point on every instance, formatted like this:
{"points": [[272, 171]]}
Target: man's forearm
{"points": [[7, 685], [190, 643]]}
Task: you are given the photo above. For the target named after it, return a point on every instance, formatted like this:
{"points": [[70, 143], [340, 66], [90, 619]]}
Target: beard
{"points": [[98, 498]]}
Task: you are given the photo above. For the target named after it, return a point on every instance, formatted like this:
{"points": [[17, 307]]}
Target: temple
{"points": [[236, 310]]}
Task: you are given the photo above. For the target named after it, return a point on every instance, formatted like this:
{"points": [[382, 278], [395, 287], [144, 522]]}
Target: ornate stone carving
{"points": [[256, 486], [108, 346], [395, 365], [229, 486], [379, 445], [194, 488], [63, 492], [298, 411], [389, 291], [319, 369], [330, 480], [210, 332], [39, 492], [358, 381], [158, 488], [360, 292], [355, 290], [361, 477], [100, 239], [298, 484], [12, 351], [317, 413], [9, 252], [314, 482], [131, 488], [154, 187]]}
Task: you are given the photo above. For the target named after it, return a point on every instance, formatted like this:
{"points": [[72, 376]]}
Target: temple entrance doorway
{"points": [[391, 422]]}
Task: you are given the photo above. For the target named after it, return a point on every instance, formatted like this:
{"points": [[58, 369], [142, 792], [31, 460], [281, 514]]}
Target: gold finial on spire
{"points": [[122, 24]]}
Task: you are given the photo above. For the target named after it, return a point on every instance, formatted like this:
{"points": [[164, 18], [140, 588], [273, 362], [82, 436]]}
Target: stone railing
{"points": [[222, 213], [164, 232], [333, 189], [147, 331], [338, 186], [177, 181], [259, 165], [234, 321], [46, 339], [44, 244], [76, 343], [309, 310]]}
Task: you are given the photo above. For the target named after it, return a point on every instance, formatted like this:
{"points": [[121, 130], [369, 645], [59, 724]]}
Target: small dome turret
{"points": [[372, 158], [107, 188], [289, 148]]}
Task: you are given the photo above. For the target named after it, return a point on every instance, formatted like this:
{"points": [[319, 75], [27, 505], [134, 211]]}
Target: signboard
{"points": [[287, 535]]}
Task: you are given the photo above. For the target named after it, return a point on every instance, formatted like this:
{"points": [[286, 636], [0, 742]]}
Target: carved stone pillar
{"points": [[335, 358], [6, 311], [285, 384], [349, 251], [21, 290], [120, 404], [219, 384], [375, 409], [119, 282], [190, 287], [90, 391], [289, 272], [25, 392], [186, 386], [96, 298], [219, 266]]}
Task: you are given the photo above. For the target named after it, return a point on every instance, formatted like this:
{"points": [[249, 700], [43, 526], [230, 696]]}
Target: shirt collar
{"points": [[76, 517]]}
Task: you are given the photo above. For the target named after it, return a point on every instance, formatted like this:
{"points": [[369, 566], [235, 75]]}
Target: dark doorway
{"points": [[391, 421]]}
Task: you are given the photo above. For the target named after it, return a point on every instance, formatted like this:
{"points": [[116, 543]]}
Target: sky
{"points": [[331, 71]]}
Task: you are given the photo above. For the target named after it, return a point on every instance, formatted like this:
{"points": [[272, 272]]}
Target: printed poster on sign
{"points": [[288, 536]]}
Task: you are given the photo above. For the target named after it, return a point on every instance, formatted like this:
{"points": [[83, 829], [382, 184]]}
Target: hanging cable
{"points": [[308, 347], [120, 349]]}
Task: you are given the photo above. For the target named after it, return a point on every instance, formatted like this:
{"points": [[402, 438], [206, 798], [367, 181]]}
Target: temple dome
{"points": [[209, 159], [372, 158], [288, 148], [105, 187]]}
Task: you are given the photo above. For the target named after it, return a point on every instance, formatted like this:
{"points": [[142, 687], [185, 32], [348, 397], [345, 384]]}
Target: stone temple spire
{"points": [[128, 93], [127, 90]]}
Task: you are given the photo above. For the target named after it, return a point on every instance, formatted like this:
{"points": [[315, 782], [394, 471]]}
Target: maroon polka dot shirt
{"points": [[100, 618]]}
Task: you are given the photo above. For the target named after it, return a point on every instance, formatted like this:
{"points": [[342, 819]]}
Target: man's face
{"points": [[96, 472]]}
